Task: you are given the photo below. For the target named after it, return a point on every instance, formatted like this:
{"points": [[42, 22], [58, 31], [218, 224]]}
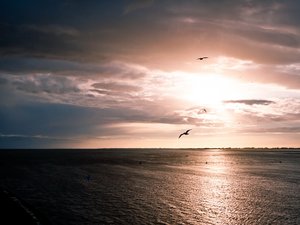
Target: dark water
{"points": [[157, 186]]}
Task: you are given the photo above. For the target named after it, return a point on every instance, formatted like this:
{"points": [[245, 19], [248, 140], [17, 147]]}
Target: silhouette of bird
{"points": [[201, 58], [184, 133], [204, 110]]}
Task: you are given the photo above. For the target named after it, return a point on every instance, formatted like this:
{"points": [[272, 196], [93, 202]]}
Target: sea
{"points": [[156, 186]]}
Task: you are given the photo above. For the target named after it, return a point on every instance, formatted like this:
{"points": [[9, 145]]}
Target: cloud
{"points": [[51, 29], [45, 83], [3, 80], [27, 142], [64, 121], [25, 65], [137, 4], [268, 34], [250, 102], [274, 130], [104, 63], [78, 89], [32, 136], [263, 118], [20, 41], [59, 120], [116, 87], [287, 78], [284, 75]]}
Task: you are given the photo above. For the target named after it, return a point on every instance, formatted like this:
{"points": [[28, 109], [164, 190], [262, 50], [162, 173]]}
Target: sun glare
{"points": [[210, 89]]}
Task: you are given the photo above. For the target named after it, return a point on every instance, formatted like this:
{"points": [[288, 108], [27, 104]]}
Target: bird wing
{"points": [[188, 130], [180, 135]]}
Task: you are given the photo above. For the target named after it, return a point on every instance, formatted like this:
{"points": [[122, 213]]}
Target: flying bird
{"points": [[185, 133], [201, 58]]}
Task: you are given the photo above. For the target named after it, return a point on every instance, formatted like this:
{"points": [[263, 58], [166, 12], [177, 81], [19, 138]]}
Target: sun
{"points": [[210, 89]]}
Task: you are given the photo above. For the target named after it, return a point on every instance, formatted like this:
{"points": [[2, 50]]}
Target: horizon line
{"points": [[155, 148]]}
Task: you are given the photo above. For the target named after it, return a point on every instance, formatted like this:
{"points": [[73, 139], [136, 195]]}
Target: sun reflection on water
{"points": [[212, 196]]}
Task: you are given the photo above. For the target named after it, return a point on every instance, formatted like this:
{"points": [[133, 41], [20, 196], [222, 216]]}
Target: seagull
{"points": [[201, 58], [185, 133]]}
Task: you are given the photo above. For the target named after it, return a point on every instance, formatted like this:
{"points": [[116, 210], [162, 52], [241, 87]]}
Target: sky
{"points": [[124, 73]]}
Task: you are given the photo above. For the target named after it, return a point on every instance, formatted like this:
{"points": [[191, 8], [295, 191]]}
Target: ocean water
{"points": [[157, 186]]}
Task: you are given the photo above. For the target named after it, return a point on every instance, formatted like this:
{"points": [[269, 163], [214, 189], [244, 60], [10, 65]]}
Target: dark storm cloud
{"points": [[250, 102], [98, 30], [59, 29], [16, 40]]}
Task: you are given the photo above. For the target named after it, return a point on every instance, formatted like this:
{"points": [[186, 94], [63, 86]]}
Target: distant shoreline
{"points": [[225, 148]]}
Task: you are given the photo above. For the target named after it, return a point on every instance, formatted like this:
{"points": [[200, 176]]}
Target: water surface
{"points": [[157, 186]]}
